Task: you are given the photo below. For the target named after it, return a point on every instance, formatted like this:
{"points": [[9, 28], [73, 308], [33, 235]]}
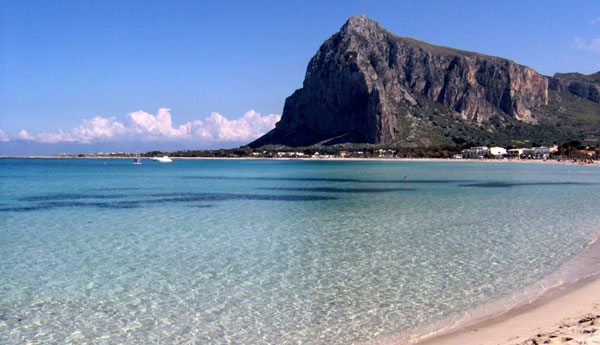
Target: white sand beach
{"points": [[569, 315]]}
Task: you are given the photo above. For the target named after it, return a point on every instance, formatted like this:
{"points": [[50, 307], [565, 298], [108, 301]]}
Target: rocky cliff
{"points": [[586, 86], [368, 85]]}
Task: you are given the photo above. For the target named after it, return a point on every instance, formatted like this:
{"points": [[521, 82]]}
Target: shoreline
{"points": [[551, 317], [370, 159], [555, 317]]}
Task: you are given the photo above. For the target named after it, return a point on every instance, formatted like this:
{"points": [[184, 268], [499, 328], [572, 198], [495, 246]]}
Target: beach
{"points": [[306, 158], [569, 315], [341, 159]]}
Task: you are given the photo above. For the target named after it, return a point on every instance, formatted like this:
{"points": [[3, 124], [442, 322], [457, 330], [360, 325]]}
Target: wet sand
{"points": [[568, 315]]}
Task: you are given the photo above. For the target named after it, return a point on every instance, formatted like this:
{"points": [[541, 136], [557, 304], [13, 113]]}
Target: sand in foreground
{"points": [[567, 316]]}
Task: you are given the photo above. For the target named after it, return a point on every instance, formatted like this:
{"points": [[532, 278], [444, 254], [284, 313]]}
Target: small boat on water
{"points": [[137, 159], [163, 159]]}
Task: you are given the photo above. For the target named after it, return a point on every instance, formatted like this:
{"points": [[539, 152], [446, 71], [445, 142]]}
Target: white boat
{"points": [[137, 159], [163, 159]]}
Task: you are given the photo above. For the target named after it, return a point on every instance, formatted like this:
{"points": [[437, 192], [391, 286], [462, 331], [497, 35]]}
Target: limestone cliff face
{"points": [[367, 85], [585, 86]]}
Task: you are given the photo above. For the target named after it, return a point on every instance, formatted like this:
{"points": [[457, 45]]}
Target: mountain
{"points": [[367, 85]]}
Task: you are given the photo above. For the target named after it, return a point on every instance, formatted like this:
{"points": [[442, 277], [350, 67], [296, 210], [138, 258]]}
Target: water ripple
{"points": [[514, 184], [163, 199], [341, 190], [319, 179]]}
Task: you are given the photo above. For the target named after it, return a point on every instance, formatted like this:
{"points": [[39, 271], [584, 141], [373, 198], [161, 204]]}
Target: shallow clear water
{"points": [[279, 252]]}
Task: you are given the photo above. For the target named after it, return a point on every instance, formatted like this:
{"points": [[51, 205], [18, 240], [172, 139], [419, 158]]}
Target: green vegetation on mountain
{"points": [[367, 85]]}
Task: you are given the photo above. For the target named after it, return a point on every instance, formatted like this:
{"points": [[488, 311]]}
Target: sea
{"points": [[103, 251]]}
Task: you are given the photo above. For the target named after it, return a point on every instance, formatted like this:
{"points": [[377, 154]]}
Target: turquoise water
{"points": [[280, 252]]}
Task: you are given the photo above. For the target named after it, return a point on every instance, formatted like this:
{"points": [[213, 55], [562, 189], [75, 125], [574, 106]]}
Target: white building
{"points": [[541, 151], [534, 152], [482, 151], [290, 154], [476, 152], [498, 151], [515, 153]]}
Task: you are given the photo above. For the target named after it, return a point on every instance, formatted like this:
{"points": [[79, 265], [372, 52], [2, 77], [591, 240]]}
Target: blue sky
{"points": [[103, 75]]}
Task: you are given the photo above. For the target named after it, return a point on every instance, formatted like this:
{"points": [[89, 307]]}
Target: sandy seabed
{"points": [[568, 315]]}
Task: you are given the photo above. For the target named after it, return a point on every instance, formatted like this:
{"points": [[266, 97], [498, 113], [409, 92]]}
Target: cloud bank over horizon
{"points": [[144, 127]]}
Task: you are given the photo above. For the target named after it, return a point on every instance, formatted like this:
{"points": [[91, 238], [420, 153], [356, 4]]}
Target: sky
{"points": [[109, 76]]}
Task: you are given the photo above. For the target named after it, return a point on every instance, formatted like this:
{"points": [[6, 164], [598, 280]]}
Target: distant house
{"points": [[386, 153], [498, 151], [318, 155], [290, 154], [534, 152], [515, 153], [476, 152], [541, 151], [521, 153], [483, 151]]}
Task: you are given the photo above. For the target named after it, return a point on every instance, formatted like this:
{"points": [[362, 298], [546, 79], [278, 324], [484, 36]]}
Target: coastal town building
{"points": [[541, 152], [484, 151], [479, 152], [291, 154], [516, 153], [476, 152], [498, 151]]}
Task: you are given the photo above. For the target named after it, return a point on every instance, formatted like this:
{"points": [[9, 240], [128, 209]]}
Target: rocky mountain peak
{"points": [[368, 85], [360, 24]]}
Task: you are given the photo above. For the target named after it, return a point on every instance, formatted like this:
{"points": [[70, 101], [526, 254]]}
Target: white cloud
{"points": [[53, 138], [160, 125], [147, 127], [3, 137], [97, 128], [24, 135], [248, 127], [581, 44]]}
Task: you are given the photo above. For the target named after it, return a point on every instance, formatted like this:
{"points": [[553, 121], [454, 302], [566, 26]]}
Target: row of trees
{"points": [[570, 150]]}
